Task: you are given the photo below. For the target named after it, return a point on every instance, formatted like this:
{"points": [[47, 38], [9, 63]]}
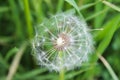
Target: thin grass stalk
{"points": [[28, 20], [109, 68]]}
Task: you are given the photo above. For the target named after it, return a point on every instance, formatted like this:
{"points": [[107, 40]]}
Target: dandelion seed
{"points": [[65, 33]]}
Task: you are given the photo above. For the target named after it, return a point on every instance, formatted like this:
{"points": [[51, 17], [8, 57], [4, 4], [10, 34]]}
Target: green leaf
{"points": [[109, 34], [107, 27], [106, 35]]}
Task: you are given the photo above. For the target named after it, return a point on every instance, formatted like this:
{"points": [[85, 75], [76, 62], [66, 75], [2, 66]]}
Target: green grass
{"points": [[18, 19]]}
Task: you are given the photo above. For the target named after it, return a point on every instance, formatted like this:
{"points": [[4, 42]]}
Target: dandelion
{"points": [[63, 41]]}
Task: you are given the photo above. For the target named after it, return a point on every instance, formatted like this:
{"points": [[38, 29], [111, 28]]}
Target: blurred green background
{"points": [[18, 19]]}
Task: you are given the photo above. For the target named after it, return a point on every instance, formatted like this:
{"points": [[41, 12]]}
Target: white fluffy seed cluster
{"points": [[63, 41]]}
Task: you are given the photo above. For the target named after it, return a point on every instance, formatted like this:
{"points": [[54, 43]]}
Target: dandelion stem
{"points": [[61, 74]]}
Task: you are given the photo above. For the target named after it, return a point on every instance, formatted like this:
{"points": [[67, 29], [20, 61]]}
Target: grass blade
{"points": [[60, 5], [30, 74], [28, 19], [73, 3], [106, 35], [16, 18], [10, 53]]}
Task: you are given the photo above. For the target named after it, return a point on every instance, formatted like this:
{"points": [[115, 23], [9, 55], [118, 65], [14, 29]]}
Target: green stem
{"points": [[61, 74]]}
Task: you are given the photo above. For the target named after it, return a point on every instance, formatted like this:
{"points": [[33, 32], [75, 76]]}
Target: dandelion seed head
{"points": [[65, 33]]}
